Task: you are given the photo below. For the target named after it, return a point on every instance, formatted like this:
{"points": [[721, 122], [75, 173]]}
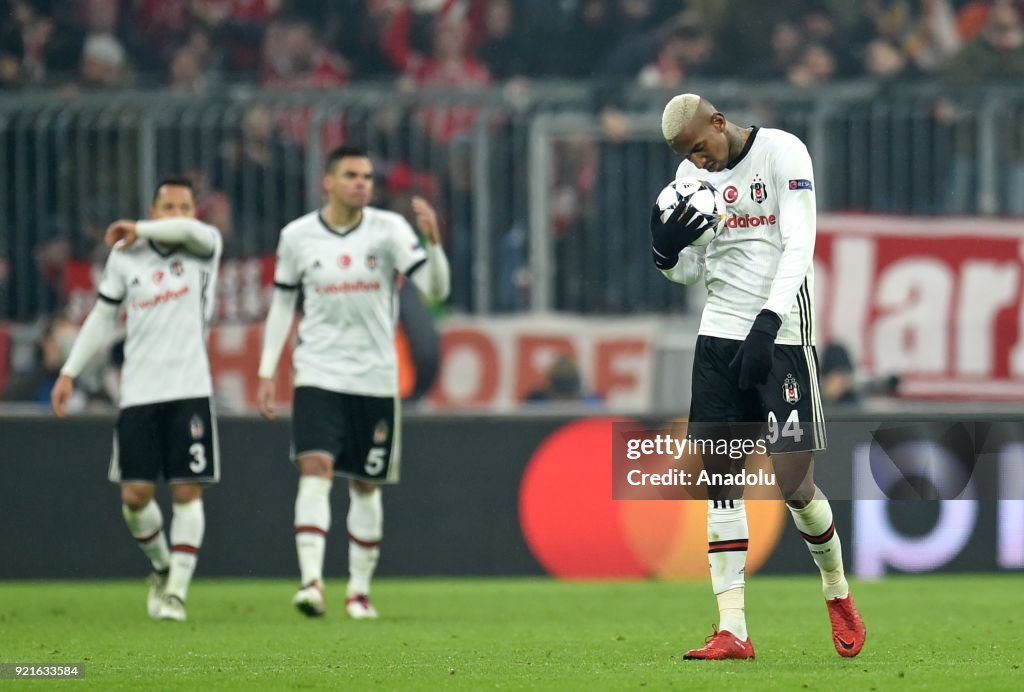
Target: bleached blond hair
{"points": [[677, 114]]}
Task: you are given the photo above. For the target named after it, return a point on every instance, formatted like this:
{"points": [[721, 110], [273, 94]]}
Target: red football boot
{"points": [[848, 631], [721, 645]]}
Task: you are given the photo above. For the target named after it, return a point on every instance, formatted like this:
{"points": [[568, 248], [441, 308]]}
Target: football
{"points": [[698, 194]]}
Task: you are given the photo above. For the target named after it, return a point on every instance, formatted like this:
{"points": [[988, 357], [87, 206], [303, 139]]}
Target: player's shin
{"points": [[365, 530], [312, 522], [816, 525], [187, 530], [147, 527], [727, 554]]}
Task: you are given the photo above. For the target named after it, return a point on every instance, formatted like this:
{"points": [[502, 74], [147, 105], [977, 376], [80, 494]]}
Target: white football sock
{"points": [[312, 522], [365, 530], [187, 528], [727, 554], [818, 529], [147, 527]]}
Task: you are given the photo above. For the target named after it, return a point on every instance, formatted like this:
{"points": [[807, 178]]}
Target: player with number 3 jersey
{"points": [[162, 272]]}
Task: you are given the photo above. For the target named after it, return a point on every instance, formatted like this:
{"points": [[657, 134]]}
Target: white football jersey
{"points": [[350, 300], [762, 258], [168, 299]]}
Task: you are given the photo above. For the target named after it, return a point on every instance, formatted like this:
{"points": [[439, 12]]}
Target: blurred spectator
{"points": [[261, 174], [935, 37], [52, 349], [197, 64], [361, 30], [186, 74], [450, 66], [685, 53], [158, 28], [996, 54], [50, 50], [51, 257], [11, 51], [816, 66], [818, 26], [293, 58], [635, 17], [592, 31], [885, 61], [101, 17], [505, 50], [924, 32], [785, 50], [295, 43], [563, 385], [838, 382], [238, 24], [103, 63], [214, 207]]}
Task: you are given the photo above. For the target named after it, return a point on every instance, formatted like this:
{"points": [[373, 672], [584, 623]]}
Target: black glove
{"points": [[755, 355], [668, 239]]}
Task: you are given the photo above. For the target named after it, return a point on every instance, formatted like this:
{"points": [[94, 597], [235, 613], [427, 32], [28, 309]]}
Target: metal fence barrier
{"points": [[542, 199]]}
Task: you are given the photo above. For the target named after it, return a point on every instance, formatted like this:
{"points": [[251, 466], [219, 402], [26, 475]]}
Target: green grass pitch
{"points": [[936, 632]]}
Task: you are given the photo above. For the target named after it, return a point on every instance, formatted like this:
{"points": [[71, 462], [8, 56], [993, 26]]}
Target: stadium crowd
{"points": [[194, 46]]}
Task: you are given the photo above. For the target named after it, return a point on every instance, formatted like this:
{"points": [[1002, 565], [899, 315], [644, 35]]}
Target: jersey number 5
{"points": [[375, 461]]}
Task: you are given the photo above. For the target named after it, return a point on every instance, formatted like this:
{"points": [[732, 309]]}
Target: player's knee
{"points": [[316, 465], [362, 487], [186, 492], [797, 490], [135, 496]]}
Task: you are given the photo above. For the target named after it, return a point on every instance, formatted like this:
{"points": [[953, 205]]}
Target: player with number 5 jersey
{"points": [[755, 370], [162, 272], [346, 259]]}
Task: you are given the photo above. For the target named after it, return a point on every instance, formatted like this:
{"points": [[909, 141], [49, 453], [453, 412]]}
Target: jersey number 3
{"points": [[198, 453]]}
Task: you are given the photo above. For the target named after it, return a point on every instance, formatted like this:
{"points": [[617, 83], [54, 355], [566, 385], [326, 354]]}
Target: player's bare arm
{"points": [[91, 337], [434, 279], [265, 395], [63, 388], [426, 220], [275, 334], [121, 231]]}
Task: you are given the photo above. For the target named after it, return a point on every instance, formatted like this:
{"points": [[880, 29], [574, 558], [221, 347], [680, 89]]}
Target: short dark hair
{"points": [[174, 181], [343, 152]]}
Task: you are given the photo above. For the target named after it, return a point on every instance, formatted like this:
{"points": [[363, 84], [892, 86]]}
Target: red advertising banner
{"points": [[939, 301], [498, 363]]}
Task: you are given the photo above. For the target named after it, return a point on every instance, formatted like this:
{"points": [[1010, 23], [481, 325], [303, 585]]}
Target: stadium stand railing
{"points": [[544, 190]]}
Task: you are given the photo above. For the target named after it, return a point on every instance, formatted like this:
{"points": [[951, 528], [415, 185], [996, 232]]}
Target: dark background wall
{"points": [[455, 511]]}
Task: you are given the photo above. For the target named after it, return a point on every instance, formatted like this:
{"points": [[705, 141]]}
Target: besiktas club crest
{"points": [[790, 389], [195, 426], [380, 432], [758, 190]]}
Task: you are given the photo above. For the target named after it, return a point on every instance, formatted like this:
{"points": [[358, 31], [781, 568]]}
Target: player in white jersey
{"points": [[755, 362], [346, 259], [163, 272]]}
